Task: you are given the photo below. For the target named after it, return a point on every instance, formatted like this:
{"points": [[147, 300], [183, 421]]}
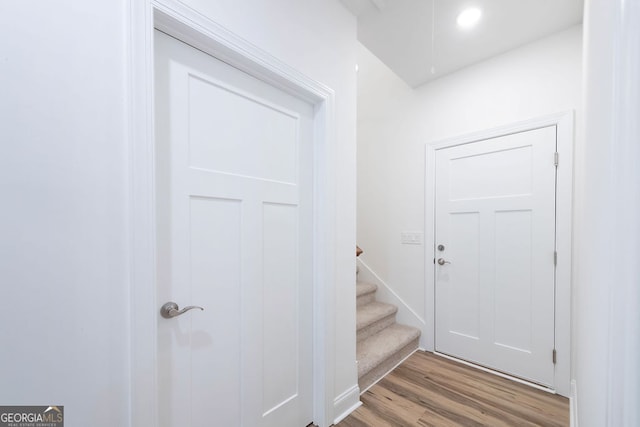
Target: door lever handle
{"points": [[442, 261], [171, 309]]}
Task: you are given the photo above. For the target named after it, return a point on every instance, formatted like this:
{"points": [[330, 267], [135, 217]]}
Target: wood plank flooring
{"points": [[429, 390]]}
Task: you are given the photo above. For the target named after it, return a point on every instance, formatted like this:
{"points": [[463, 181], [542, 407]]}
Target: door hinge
{"points": [[554, 356], [555, 158], [555, 258]]}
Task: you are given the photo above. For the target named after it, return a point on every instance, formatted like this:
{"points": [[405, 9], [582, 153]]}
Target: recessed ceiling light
{"points": [[468, 18]]}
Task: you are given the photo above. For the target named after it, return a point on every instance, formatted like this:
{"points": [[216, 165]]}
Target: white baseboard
{"points": [[573, 405], [346, 403], [385, 293]]}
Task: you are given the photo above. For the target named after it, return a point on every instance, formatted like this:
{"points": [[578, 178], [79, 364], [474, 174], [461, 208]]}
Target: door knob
{"points": [[442, 261], [171, 309]]}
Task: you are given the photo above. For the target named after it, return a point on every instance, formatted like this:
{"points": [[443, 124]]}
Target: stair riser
{"points": [[387, 365], [376, 327], [365, 299]]}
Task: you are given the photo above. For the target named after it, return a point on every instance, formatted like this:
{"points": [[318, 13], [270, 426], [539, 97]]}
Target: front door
{"points": [[234, 214], [494, 255]]}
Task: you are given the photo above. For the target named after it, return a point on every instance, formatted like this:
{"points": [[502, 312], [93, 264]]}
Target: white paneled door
{"points": [[494, 255], [234, 213]]}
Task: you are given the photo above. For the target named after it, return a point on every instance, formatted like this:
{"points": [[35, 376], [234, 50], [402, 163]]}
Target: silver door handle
{"points": [[171, 309], [441, 261]]}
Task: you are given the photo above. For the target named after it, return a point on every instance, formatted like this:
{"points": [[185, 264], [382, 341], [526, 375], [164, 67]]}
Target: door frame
{"points": [[189, 26], [564, 123]]}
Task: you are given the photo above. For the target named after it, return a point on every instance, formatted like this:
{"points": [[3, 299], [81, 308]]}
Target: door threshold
{"points": [[498, 373]]}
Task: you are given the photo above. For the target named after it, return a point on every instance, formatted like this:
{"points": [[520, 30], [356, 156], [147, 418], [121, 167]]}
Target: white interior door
{"points": [[234, 195], [495, 270]]}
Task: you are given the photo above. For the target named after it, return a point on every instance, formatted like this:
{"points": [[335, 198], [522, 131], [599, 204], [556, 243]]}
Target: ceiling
{"points": [[420, 41]]}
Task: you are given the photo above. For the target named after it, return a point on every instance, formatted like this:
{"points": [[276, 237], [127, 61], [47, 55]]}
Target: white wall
{"points": [[64, 241], [63, 235], [395, 122]]}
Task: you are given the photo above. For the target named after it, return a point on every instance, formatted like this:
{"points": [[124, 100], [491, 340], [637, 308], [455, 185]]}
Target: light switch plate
{"points": [[411, 238]]}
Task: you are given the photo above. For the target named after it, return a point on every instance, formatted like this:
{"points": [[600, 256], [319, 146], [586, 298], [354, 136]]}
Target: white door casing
{"points": [[495, 217], [234, 195]]}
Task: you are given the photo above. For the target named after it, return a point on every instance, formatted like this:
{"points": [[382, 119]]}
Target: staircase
{"points": [[382, 343]]}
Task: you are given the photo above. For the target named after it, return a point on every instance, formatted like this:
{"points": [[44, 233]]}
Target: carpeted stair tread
{"points": [[365, 293], [363, 288], [374, 350], [372, 312]]}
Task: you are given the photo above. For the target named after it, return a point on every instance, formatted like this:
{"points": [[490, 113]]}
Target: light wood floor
{"points": [[429, 390]]}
